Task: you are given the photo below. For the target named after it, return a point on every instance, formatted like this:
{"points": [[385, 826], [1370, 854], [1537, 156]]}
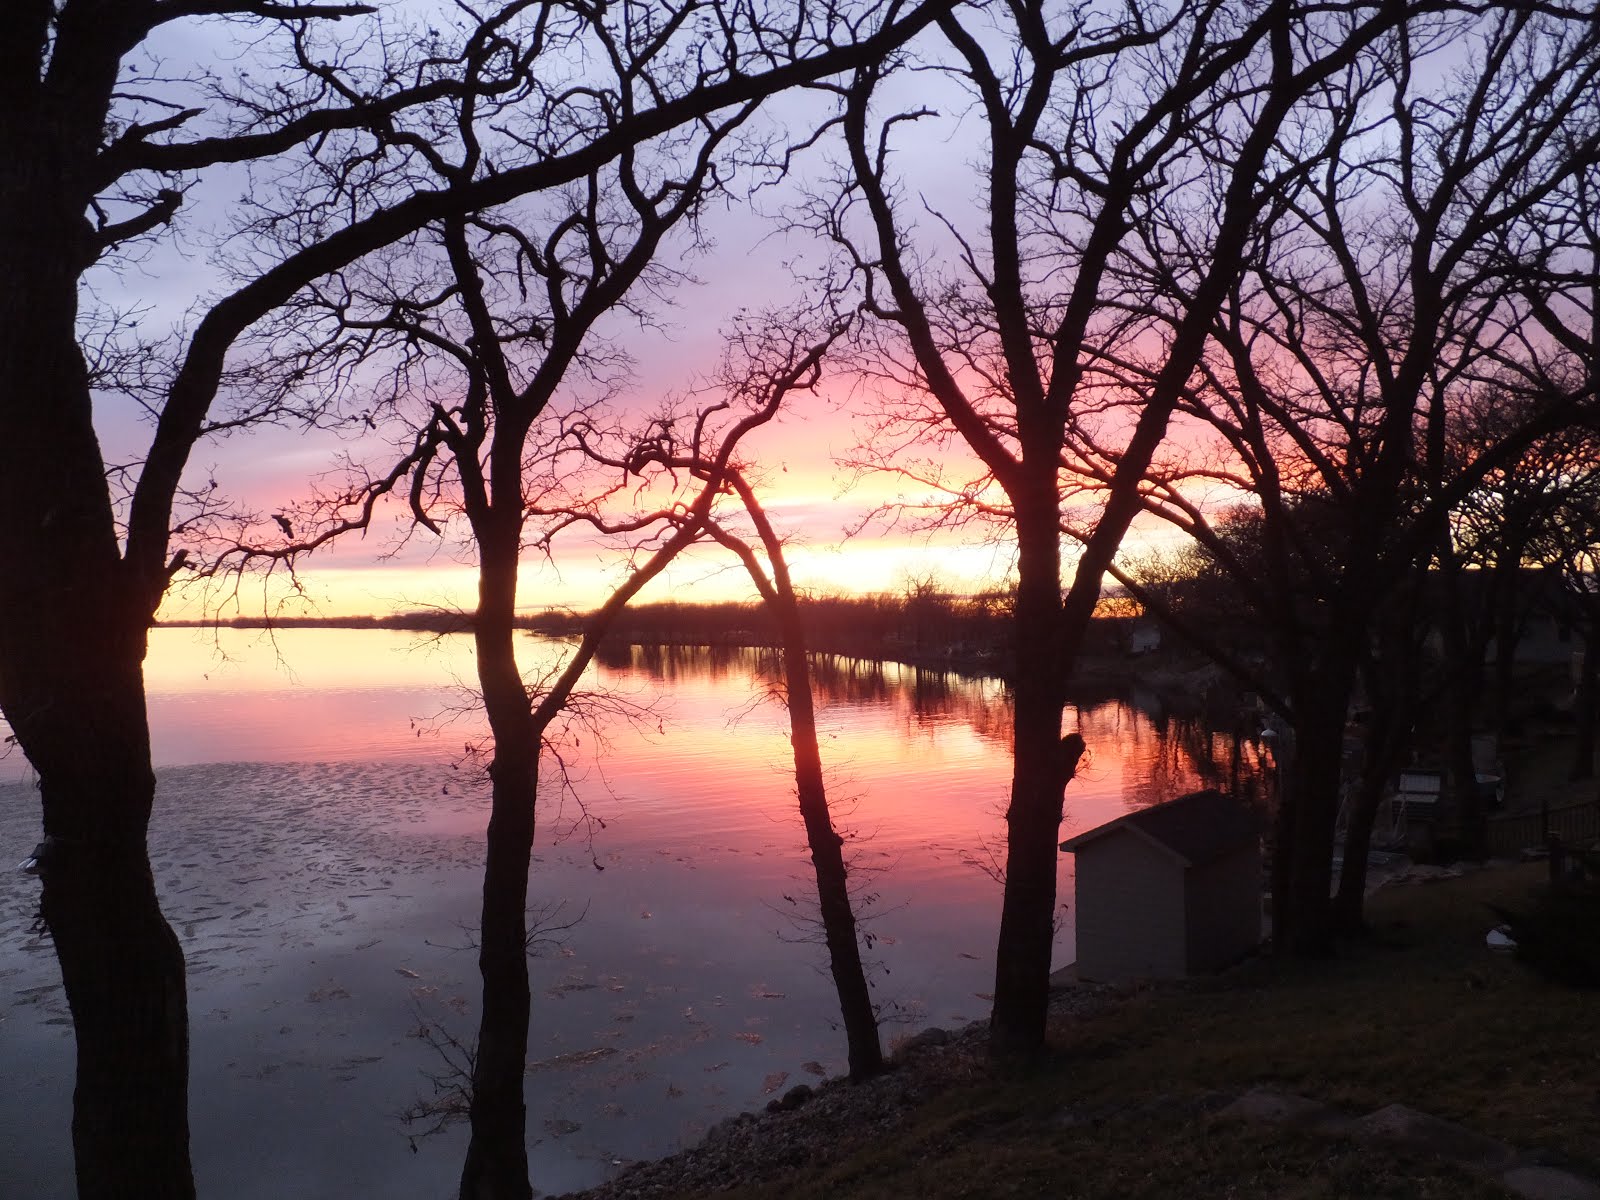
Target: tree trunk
{"points": [[1349, 906], [496, 1165], [1586, 708], [124, 976], [1304, 871], [1033, 820], [827, 847], [72, 640], [1392, 689], [827, 857], [74, 695], [1464, 670], [1506, 593]]}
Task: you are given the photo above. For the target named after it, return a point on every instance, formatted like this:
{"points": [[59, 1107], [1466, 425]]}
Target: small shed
{"points": [[1168, 890]]}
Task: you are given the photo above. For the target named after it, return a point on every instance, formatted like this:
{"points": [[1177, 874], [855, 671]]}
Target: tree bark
{"points": [[865, 1050], [496, 1166], [1586, 708], [1303, 874], [72, 644], [1392, 688], [1033, 819], [1349, 905], [827, 857], [1464, 669]]}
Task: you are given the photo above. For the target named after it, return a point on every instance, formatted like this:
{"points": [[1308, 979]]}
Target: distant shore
{"points": [[956, 635]]}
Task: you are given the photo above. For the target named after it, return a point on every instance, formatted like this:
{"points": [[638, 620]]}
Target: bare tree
{"points": [[1090, 121], [768, 362], [484, 323], [1379, 295], [99, 145]]}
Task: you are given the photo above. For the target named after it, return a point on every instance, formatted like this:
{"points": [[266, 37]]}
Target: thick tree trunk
{"points": [[1349, 906], [1393, 696], [1033, 820], [121, 964], [73, 692], [124, 976], [827, 857], [496, 1165], [72, 639], [1303, 874]]}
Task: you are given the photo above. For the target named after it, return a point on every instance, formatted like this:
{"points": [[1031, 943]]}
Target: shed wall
{"points": [[1224, 912], [1129, 899]]}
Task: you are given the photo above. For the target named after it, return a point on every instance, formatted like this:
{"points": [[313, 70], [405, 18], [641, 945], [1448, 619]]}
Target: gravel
{"points": [[813, 1127]]}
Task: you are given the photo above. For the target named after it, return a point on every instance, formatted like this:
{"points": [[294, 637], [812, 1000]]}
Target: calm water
{"points": [[317, 841]]}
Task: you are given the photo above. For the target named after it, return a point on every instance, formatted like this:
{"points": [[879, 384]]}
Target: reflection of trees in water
{"points": [[673, 663], [920, 697], [1164, 752], [1167, 753]]}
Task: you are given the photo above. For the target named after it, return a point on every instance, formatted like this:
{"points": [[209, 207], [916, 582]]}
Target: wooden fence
{"points": [[1575, 824]]}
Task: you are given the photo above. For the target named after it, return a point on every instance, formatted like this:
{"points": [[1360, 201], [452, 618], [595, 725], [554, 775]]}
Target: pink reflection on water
{"points": [[321, 883]]}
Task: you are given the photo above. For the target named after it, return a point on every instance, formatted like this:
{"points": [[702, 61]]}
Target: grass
{"points": [[1421, 1014]]}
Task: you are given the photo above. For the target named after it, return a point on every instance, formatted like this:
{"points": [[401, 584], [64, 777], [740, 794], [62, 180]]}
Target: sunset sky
{"points": [[812, 497]]}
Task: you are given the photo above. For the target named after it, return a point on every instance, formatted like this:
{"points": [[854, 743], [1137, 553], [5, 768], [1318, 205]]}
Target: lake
{"points": [[317, 842]]}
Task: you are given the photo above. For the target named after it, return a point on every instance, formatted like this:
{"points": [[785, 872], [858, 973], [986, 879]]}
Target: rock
{"points": [[1426, 1134], [1549, 1183], [1268, 1106], [728, 1126], [932, 1036], [795, 1097]]}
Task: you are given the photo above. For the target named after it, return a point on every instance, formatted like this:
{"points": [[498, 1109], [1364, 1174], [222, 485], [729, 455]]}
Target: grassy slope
{"points": [[1422, 1015]]}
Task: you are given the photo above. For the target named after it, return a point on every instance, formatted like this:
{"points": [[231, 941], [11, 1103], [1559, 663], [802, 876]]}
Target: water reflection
{"points": [[914, 731], [318, 851]]}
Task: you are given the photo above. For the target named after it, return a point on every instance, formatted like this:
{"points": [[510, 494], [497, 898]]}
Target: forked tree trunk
{"points": [[73, 626]]}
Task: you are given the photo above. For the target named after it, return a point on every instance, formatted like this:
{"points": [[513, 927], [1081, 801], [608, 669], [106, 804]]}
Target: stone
{"points": [[1549, 1183], [1426, 1134], [795, 1097], [932, 1036], [1268, 1106]]}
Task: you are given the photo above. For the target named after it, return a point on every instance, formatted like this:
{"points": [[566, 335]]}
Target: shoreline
{"points": [[817, 1126]]}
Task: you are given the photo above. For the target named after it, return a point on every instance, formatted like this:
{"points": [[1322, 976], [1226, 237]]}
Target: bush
{"points": [[1559, 936]]}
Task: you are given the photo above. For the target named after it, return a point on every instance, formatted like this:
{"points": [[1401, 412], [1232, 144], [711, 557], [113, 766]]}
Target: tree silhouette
{"points": [[99, 146], [1099, 132], [1379, 297], [768, 362]]}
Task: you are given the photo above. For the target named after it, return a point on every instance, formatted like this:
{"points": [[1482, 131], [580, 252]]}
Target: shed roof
{"points": [[1196, 828]]}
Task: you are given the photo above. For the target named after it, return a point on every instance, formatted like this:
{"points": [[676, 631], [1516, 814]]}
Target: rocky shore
{"points": [[816, 1126]]}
